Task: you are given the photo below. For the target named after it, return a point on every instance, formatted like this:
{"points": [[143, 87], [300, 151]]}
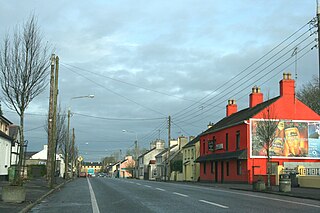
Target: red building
{"points": [[231, 152]]}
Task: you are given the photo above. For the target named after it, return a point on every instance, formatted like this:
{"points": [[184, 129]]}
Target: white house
{"points": [[5, 147], [41, 158], [144, 159]]}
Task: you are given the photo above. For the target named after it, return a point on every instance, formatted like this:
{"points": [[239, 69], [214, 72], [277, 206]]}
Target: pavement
{"points": [[37, 190]]}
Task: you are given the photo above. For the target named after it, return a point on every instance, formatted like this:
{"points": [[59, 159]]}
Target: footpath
{"points": [[37, 190]]}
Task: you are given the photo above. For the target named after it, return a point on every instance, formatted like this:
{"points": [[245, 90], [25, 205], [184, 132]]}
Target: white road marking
{"points": [[214, 204], [160, 189], [183, 195], [95, 208], [147, 186], [130, 182], [258, 196], [138, 184]]}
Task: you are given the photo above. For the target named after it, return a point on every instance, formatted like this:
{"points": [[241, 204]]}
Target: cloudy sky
{"points": [[146, 60]]}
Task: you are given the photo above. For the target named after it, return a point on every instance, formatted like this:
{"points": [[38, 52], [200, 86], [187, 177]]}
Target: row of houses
{"points": [[231, 151]]}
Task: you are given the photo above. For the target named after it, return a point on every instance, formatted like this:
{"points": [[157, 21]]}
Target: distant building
{"points": [[40, 158], [95, 166], [144, 159]]}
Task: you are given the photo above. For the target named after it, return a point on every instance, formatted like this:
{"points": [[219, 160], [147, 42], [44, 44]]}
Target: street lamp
{"points": [[136, 146], [68, 140]]}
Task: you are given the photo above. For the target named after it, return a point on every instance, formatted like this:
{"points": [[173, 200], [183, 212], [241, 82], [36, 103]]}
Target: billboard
{"points": [[292, 139]]}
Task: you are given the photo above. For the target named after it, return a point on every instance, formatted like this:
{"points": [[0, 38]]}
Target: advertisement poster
{"points": [[298, 139]]}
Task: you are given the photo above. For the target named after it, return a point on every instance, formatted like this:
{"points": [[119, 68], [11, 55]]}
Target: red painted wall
{"points": [[287, 107]]}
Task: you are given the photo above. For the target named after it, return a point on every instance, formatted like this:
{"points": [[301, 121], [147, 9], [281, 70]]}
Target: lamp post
{"points": [[135, 147], [68, 139]]}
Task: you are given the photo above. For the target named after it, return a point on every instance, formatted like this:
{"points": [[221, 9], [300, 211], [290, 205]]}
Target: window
{"points": [[212, 168], [185, 154], [203, 147], [227, 142], [239, 167], [227, 168], [192, 154], [204, 167], [238, 140], [188, 154]]}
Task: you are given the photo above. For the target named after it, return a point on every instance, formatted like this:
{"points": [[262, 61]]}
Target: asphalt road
{"points": [[129, 195]]}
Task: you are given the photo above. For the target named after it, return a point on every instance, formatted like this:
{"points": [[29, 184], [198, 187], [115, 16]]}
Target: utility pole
{"points": [[318, 25], [169, 138], [54, 120], [50, 126], [72, 155], [66, 148]]}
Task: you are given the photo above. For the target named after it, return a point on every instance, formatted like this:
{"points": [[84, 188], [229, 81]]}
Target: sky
{"points": [[147, 60]]}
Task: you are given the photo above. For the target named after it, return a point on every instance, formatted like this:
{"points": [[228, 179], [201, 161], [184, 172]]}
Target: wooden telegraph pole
{"points": [[50, 125], [72, 154], [169, 138]]}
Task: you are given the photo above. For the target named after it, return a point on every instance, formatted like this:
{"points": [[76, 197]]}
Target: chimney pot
{"points": [[231, 107], [287, 85]]}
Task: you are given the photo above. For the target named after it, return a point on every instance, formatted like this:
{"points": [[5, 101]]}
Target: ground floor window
{"points": [[212, 167], [227, 165], [239, 169]]}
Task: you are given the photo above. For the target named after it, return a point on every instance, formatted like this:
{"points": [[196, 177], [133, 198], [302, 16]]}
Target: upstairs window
{"points": [[238, 140], [227, 142]]}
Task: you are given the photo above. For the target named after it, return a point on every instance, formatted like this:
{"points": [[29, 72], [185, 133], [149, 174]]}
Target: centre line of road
{"points": [[214, 204], [182, 195], [160, 189], [95, 208], [138, 184], [147, 186]]}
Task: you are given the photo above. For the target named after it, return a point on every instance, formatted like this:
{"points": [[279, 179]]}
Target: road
{"points": [[129, 195]]}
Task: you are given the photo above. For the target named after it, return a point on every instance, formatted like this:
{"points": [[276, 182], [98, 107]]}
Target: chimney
{"points": [[209, 125], [256, 97], [287, 85], [231, 107]]}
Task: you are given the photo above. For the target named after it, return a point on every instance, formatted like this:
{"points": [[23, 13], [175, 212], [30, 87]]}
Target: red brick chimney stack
{"points": [[231, 107], [256, 97], [287, 85]]}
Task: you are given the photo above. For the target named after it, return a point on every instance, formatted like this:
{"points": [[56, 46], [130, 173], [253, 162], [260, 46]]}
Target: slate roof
{"points": [[147, 152], [92, 164], [4, 135], [29, 154], [192, 142], [165, 150], [239, 117], [240, 154]]}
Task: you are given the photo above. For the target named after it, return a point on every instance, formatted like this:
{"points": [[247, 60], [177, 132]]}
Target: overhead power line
{"points": [[113, 92], [201, 102]]}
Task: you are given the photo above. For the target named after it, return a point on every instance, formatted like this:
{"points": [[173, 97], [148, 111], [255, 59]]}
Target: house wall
{"points": [[191, 169], [219, 171], [5, 156]]}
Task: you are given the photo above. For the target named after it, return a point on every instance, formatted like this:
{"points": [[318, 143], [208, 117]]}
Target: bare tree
{"points": [[24, 63], [310, 95], [266, 132]]}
